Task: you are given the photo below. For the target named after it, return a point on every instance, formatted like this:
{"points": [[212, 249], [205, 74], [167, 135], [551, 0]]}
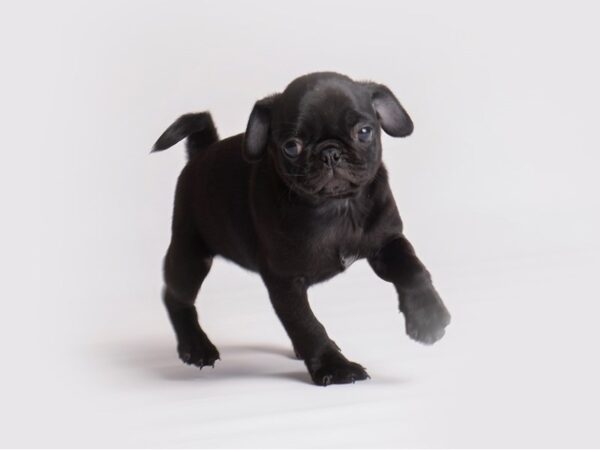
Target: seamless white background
{"points": [[498, 188]]}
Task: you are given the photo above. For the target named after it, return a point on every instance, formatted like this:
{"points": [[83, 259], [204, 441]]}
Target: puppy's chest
{"points": [[323, 251]]}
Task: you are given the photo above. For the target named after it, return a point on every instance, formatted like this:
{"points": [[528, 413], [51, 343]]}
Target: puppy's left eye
{"points": [[365, 134]]}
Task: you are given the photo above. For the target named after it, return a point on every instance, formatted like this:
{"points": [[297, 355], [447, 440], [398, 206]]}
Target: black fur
{"points": [[198, 128], [295, 219]]}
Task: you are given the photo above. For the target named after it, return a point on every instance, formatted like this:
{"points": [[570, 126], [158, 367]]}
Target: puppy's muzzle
{"points": [[330, 156]]}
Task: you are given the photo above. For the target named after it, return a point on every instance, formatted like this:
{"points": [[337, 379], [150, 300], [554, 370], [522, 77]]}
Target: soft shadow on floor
{"points": [[159, 360], [259, 348]]}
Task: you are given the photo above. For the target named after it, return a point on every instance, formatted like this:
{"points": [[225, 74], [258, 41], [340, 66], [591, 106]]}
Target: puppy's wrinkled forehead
{"points": [[321, 104]]}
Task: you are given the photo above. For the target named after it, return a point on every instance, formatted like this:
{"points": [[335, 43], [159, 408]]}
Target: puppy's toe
{"points": [[425, 334], [198, 353], [427, 325], [339, 372]]}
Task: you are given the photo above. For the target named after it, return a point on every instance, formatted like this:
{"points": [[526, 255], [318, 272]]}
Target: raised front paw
{"points": [[198, 351], [334, 368], [425, 314]]}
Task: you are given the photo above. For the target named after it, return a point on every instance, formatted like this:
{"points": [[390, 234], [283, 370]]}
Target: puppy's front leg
{"points": [[322, 357], [425, 314]]}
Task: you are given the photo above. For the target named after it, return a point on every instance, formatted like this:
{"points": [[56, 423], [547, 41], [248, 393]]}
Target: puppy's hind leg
{"points": [[186, 265]]}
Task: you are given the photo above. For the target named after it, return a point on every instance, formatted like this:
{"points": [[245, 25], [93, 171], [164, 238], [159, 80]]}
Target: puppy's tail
{"points": [[198, 128]]}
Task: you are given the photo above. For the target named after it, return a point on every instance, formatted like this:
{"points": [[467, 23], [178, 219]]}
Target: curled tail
{"points": [[198, 128]]}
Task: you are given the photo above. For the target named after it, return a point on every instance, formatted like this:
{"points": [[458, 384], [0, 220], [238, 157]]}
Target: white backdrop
{"points": [[498, 188]]}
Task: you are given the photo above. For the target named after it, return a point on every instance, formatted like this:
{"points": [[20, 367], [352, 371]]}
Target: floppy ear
{"points": [[257, 131], [394, 120]]}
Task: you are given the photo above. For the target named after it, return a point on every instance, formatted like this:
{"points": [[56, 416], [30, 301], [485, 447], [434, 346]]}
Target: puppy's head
{"points": [[323, 133]]}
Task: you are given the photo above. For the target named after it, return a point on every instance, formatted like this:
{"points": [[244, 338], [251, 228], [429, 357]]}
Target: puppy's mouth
{"points": [[332, 183], [336, 186], [332, 195]]}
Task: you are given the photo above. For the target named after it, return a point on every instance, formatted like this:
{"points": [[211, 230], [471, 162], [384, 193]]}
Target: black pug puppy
{"points": [[297, 198]]}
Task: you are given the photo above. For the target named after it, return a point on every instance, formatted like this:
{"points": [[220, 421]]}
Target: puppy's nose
{"points": [[331, 156]]}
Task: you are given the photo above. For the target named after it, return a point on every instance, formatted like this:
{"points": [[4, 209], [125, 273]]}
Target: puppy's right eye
{"points": [[292, 148]]}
